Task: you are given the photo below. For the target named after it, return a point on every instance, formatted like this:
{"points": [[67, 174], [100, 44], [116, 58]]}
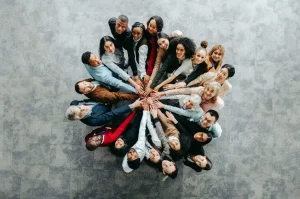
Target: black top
{"points": [[189, 128], [131, 134], [170, 62], [201, 69], [194, 150], [119, 37]]}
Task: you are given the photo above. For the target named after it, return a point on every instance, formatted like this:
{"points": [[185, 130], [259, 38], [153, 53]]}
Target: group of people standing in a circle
{"points": [[177, 89]]}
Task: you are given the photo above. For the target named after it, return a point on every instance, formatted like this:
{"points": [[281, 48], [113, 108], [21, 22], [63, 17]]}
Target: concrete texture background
{"points": [[42, 155]]}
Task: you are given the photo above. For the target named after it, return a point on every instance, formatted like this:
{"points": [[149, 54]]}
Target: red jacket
{"points": [[110, 134]]}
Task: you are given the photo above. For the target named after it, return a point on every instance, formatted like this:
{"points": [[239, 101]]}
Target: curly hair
{"points": [[188, 45], [159, 22], [102, 43]]}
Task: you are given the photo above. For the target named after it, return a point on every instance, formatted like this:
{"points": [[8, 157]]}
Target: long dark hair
{"points": [[102, 42], [118, 51], [188, 45], [159, 22]]}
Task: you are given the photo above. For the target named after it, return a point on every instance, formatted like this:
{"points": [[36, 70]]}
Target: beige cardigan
{"points": [[210, 77], [219, 104]]}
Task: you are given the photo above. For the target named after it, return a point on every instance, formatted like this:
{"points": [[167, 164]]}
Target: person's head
{"points": [[137, 30], [119, 143], [216, 53], [155, 24], [209, 118], [154, 156], [175, 144], [225, 73], [132, 154], [121, 24], [84, 87], [202, 162], [132, 161], [77, 112], [192, 102], [107, 44], [200, 53], [163, 40], [185, 48], [203, 137], [169, 168], [93, 142], [90, 59], [119, 147], [211, 91]]}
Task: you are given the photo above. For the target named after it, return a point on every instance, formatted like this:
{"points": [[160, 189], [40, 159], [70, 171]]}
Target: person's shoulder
{"points": [[227, 85], [127, 32], [112, 21]]}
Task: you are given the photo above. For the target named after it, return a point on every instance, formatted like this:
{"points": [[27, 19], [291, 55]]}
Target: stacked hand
{"points": [[158, 104], [169, 87], [180, 85], [157, 95], [137, 104], [153, 110], [171, 117]]}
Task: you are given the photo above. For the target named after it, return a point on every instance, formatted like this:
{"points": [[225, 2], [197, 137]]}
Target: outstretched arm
{"points": [[121, 128]]}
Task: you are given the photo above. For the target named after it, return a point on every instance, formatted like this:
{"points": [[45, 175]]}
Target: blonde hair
{"points": [[71, 113], [213, 49], [216, 87]]}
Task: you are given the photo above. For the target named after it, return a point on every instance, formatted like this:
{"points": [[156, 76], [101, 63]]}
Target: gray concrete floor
{"points": [[42, 155]]}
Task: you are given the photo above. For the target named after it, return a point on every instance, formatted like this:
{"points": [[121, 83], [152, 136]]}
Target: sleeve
{"points": [[112, 66], [152, 131], [209, 76], [143, 51], [226, 87], [121, 128], [192, 165], [178, 97], [184, 67], [181, 128], [107, 117], [158, 60], [112, 24], [131, 60], [199, 71], [112, 81], [152, 57], [142, 132], [162, 137], [179, 111], [216, 130], [161, 71], [219, 104], [185, 91]]}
